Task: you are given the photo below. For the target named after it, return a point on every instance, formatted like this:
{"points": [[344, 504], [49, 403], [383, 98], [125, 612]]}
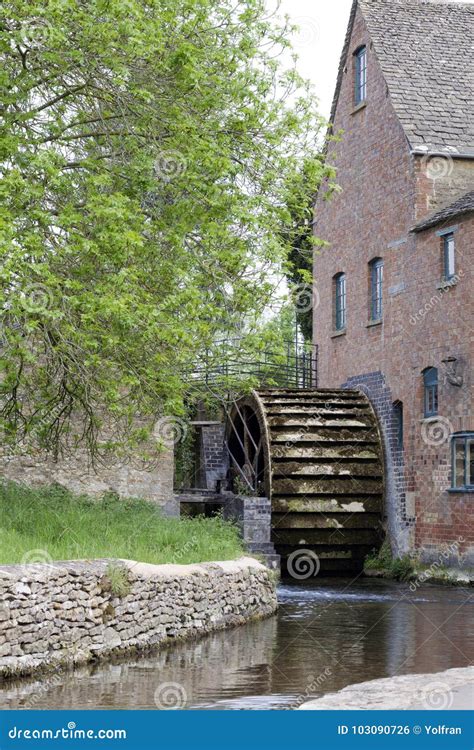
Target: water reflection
{"points": [[326, 636]]}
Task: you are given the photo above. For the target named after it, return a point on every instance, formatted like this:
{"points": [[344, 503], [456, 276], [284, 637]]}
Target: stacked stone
{"points": [[69, 613]]}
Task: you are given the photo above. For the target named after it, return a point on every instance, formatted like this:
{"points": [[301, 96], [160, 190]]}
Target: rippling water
{"points": [[328, 634]]}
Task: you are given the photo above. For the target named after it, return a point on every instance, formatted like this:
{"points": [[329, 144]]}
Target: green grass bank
{"points": [[51, 523]]}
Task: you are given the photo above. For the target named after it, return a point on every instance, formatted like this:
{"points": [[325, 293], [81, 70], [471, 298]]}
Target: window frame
{"points": [[340, 302], [430, 390], [449, 255], [376, 267], [464, 438], [397, 416], [360, 82]]}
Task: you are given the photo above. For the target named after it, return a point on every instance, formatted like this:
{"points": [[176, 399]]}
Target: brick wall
{"points": [[213, 454], [398, 503], [384, 192]]}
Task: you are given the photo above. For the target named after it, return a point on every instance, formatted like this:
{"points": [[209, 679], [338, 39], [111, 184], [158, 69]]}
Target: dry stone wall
{"points": [[70, 613]]}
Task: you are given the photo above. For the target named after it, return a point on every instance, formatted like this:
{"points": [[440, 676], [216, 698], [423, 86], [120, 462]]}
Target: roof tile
{"points": [[426, 51], [463, 205]]}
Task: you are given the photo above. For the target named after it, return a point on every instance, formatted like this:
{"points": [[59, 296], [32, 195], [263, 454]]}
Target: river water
{"points": [[328, 633]]}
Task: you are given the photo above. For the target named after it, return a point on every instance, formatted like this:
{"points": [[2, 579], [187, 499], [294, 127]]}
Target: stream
{"points": [[328, 633]]}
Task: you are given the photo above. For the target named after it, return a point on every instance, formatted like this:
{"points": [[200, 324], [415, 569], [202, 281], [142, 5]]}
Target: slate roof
{"points": [[463, 205], [426, 51]]}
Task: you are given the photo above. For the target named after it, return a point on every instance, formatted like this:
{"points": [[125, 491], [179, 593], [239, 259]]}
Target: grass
{"points": [[39, 525], [399, 568]]}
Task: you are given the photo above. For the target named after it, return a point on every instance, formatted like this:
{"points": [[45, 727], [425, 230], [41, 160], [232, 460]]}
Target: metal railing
{"points": [[296, 367]]}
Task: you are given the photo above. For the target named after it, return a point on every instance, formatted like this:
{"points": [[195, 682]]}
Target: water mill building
{"points": [[393, 288]]}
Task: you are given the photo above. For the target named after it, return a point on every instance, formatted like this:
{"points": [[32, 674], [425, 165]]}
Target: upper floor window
{"points": [[449, 266], [340, 301], [360, 75], [430, 383], [376, 284], [462, 461]]}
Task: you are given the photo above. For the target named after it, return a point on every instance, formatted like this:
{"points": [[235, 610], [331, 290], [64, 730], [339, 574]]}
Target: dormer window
{"points": [[360, 75]]}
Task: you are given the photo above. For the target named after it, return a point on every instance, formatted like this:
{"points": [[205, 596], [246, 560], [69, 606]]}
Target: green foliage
{"points": [[116, 580], [299, 234], [381, 558], [149, 154], [51, 523], [402, 568], [399, 568]]}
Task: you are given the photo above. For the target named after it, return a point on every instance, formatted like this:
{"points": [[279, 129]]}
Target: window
{"points": [[397, 413], [340, 301], [462, 461], [449, 269], [376, 283], [360, 75], [430, 382]]}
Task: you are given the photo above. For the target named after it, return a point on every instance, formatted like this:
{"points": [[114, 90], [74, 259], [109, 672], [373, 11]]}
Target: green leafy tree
{"points": [[298, 233], [146, 156]]}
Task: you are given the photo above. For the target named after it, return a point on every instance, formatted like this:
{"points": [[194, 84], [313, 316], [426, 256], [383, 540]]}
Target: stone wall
{"points": [[71, 613], [128, 478], [253, 516]]}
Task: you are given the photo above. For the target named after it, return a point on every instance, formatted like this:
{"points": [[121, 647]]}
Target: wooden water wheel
{"points": [[318, 455]]}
